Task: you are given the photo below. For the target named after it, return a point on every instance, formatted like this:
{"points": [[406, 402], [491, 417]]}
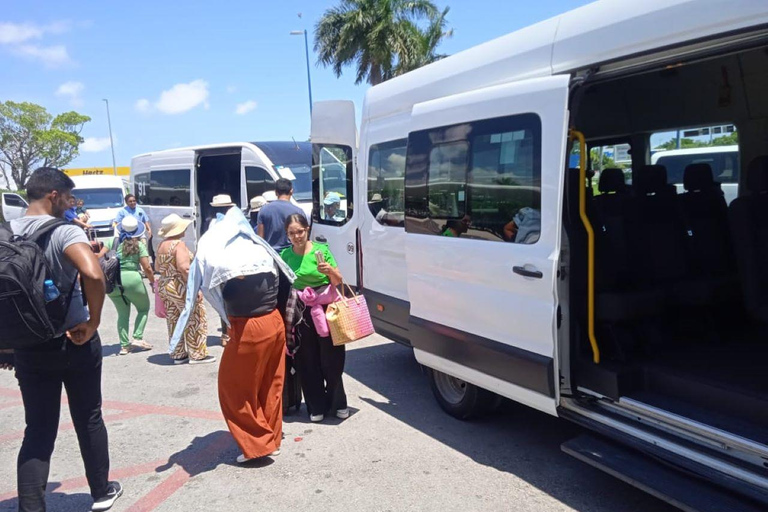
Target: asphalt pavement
{"points": [[398, 451]]}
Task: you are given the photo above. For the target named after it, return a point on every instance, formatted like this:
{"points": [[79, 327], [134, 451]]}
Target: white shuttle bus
{"points": [[638, 311], [184, 181]]}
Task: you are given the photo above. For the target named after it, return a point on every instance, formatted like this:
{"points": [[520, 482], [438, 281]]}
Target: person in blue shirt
{"points": [[132, 208], [271, 223], [70, 215]]}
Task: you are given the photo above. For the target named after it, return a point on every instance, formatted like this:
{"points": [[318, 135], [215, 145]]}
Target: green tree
{"points": [[30, 137], [381, 37]]}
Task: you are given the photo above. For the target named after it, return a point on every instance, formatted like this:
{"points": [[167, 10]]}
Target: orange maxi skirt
{"points": [[251, 378]]}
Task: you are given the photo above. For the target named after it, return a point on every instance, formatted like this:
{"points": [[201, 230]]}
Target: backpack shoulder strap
{"points": [[6, 233], [44, 231]]}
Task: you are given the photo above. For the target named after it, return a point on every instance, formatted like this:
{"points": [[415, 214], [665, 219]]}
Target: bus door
{"points": [[484, 172], [164, 184], [334, 183]]}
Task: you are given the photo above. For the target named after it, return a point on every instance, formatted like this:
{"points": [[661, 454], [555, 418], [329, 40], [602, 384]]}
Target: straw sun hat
{"points": [[222, 200], [173, 225]]}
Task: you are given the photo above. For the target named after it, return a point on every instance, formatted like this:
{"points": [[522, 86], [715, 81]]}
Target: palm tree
{"points": [[429, 39], [381, 37]]}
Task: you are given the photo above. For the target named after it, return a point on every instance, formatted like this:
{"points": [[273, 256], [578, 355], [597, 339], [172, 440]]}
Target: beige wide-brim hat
{"points": [[257, 203], [222, 200], [173, 225]]}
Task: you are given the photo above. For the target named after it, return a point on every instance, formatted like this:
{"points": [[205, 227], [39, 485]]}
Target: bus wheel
{"points": [[460, 399]]}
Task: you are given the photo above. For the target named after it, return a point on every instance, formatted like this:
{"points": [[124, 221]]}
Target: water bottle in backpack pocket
{"points": [[28, 317]]}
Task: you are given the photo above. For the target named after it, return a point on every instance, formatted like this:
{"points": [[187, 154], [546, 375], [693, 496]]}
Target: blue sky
{"points": [[187, 73]]}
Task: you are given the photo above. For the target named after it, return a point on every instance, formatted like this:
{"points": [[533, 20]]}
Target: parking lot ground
{"points": [[398, 451]]}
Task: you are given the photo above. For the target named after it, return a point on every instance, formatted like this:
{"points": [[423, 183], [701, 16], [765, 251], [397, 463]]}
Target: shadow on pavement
{"points": [[204, 454], [517, 439], [56, 501]]}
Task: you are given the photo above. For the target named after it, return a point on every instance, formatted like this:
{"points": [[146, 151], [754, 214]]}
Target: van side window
{"points": [[14, 200], [386, 182], [479, 180], [258, 181], [163, 188], [141, 188], [332, 198]]}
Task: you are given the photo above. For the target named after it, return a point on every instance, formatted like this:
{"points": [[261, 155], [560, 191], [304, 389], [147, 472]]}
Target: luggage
{"points": [[291, 386], [27, 318]]}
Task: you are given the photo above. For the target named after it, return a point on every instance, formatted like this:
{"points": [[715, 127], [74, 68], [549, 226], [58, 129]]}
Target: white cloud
{"points": [[73, 90], [15, 33], [143, 105], [50, 56], [95, 144], [183, 97], [244, 108]]}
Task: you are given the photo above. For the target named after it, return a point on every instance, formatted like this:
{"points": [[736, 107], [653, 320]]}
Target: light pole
{"points": [[306, 50], [111, 142]]}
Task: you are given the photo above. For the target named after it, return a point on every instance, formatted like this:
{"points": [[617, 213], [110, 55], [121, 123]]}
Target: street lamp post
{"points": [[306, 51], [111, 142]]}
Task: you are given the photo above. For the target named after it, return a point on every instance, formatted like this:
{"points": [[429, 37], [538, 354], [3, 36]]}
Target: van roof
{"points": [[572, 41], [100, 181], [279, 152]]}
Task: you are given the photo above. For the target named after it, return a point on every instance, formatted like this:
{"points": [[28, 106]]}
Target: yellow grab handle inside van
{"points": [[576, 135]]}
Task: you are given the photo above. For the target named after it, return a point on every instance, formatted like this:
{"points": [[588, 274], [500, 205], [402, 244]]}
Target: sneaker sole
{"points": [[202, 361], [106, 505]]}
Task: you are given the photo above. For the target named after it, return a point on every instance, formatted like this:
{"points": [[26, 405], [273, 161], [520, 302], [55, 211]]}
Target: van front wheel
{"points": [[458, 398]]}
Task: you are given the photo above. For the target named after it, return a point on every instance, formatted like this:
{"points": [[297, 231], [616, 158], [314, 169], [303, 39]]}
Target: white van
{"points": [[724, 161], [622, 314], [103, 196], [13, 205], [183, 181]]}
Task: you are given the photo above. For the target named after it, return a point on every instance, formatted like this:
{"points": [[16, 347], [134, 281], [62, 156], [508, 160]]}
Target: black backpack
{"points": [[28, 320]]}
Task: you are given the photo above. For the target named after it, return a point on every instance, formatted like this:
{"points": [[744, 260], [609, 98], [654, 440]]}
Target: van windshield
{"points": [[100, 197], [297, 156]]}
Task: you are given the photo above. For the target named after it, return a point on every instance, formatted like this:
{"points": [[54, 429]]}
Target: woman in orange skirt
{"points": [[238, 274], [252, 368]]}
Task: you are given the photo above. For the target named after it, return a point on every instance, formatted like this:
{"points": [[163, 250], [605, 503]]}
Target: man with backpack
{"points": [[61, 346]]}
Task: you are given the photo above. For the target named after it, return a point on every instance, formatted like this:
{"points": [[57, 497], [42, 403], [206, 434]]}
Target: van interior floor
{"points": [[721, 385]]}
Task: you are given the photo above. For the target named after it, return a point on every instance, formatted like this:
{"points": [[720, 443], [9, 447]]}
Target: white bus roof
{"points": [[601, 32], [695, 151]]}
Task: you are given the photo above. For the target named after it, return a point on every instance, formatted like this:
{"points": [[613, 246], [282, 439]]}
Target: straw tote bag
{"points": [[348, 318]]}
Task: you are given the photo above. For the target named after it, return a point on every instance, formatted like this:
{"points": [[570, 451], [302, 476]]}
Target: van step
{"points": [[658, 479]]}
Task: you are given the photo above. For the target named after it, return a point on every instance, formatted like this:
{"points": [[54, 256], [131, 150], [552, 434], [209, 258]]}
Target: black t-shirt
{"points": [[254, 295]]}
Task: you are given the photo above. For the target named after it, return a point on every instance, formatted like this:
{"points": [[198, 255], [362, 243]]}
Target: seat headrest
{"points": [[652, 179], [698, 177], [611, 180], [757, 175]]}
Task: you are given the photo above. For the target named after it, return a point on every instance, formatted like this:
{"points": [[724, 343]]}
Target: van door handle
{"points": [[187, 216], [536, 274], [321, 239]]}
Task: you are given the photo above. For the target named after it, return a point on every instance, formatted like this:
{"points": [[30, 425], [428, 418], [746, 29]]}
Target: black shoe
{"points": [[114, 491]]}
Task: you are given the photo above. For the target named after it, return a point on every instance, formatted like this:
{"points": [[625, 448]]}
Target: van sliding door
{"points": [[483, 184]]}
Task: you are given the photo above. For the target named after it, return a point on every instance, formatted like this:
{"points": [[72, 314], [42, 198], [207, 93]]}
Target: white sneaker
{"points": [[343, 413], [316, 418], [242, 459], [206, 359], [114, 491]]}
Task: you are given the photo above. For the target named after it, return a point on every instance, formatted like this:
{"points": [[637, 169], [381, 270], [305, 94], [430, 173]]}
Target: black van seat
{"points": [[708, 251], [749, 228], [656, 239], [618, 294]]}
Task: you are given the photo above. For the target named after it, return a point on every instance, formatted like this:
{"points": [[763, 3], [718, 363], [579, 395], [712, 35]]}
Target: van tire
{"points": [[460, 399]]}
